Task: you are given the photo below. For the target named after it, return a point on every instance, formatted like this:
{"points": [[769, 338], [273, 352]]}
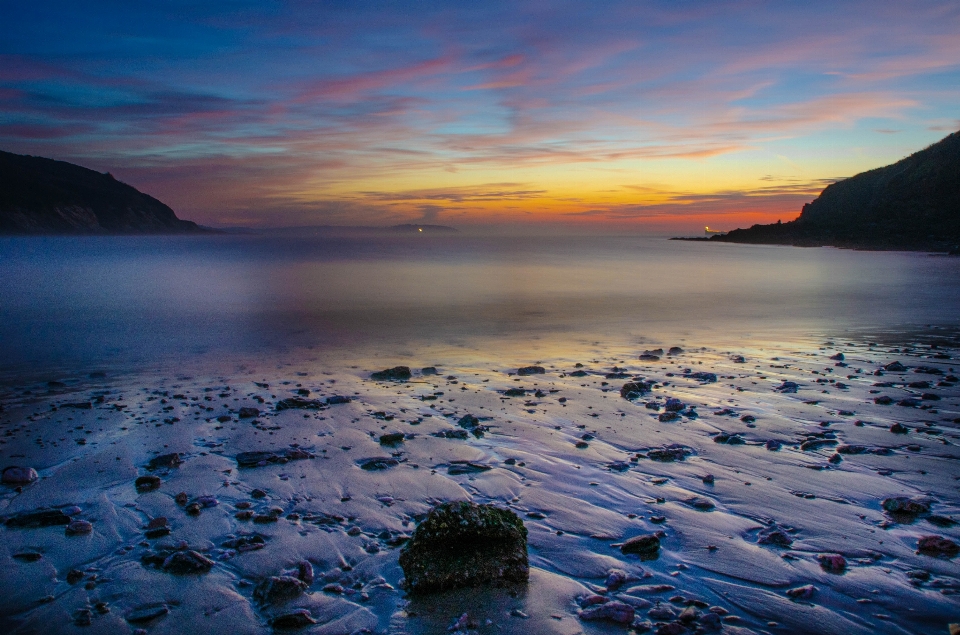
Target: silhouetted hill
{"points": [[43, 196], [913, 204]]}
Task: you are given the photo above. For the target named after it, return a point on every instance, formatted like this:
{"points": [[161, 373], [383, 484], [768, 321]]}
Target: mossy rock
{"points": [[464, 544]]}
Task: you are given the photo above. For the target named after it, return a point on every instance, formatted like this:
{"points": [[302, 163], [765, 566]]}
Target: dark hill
{"points": [[43, 196], [913, 204]]}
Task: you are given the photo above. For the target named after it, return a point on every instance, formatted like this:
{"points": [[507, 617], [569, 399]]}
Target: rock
{"points": [[662, 612], [147, 483], [337, 399], [391, 438], [634, 389], [674, 350], [178, 562], [83, 617], [38, 518], [899, 428], [774, 536], [802, 592], [616, 578], [929, 396], [838, 357], [248, 413], [667, 417], [788, 387], [649, 357], [689, 615], [248, 542], [262, 458], [397, 373], [883, 400], [279, 588], [646, 546], [909, 402], [895, 367], [613, 611], [466, 467], [74, 576], [531, 370], [298, 618], [673, 628], [79, 527], [700, 503], [27, 556], [674, 405], [164, 461], [937, 546], [773, 445], [451, 434], [463, 544], [377, 463], [738, 359], [429, 370], [147, 613], [668, 453], [468, 422], [816, 444], [15, 475], [706, 378], [832, 562], [297, 403], [515, 392], [907, 506]]}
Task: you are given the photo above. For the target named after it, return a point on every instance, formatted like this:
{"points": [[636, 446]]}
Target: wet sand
{"points": [[573, 458]]}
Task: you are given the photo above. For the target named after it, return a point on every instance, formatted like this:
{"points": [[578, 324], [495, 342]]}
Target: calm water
{"points": [[118, 302]]}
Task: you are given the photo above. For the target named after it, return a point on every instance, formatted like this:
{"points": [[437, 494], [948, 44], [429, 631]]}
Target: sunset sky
{"points": [[650, 116]]}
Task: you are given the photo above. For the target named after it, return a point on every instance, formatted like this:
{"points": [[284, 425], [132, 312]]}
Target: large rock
{"points": [[397, 373], [464, 544]]}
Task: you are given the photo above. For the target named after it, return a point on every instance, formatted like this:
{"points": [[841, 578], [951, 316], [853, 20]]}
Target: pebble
{"points": [[79, 527], [15, 475], [832, 562]]}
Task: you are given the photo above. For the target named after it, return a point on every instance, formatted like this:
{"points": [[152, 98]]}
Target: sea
{"points": [[123, 303]]}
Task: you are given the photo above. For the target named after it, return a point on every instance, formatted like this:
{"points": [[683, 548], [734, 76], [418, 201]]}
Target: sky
{"points": [[619, 115]]}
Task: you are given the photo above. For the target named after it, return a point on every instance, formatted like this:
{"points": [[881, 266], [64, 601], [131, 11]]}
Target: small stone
{"points": [[802, 592], [832, 563], [531, 370], [397, 373], [74, 576], [15, 475], [79, 527], [277, 589], [614, 611], [147, 483], [38, 518], [165, 461], [646, 546], [298, 618], [147, 613], [899, 428], [391, 439], [904, 505], [248, 413], [937, 547], [774, 536]]}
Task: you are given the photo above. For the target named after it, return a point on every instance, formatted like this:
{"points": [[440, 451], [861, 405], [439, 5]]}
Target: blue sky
{"points": [[660, 116]]}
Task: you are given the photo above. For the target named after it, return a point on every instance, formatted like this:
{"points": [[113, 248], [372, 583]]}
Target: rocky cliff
{"points": [[913, 204], [43, 196]]}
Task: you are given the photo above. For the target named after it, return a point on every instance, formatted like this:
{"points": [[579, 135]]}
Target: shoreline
{"points": [[578, 503]]}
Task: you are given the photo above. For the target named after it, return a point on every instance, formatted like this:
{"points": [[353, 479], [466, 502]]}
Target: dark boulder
{"points": [[397, 373], [938, 547], [38, 518], [463, 544], [531, 370], [646, 546], [15, 475], [634, 390]]}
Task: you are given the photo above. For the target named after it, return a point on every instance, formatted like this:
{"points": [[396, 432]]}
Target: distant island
{"points": [[44, 196], [913, 205]]}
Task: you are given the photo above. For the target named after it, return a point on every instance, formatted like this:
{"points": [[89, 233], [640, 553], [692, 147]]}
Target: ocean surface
{"points": [[126, 303]]}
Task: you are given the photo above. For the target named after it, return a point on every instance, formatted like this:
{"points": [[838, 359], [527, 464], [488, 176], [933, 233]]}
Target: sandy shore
{"points": [[798, 476]]}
